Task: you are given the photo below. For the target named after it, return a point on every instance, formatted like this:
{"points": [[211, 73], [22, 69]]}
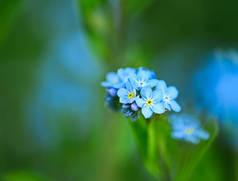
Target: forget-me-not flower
{"points": [[126, 73], [112, 80], [186, 127], [144, 78], [128, 94], [150, 102], [169, 94]]}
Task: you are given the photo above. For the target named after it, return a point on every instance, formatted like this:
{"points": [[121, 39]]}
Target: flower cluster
{"points": [[136, 91]]}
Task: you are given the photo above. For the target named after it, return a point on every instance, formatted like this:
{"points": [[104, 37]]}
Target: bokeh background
{"points": [[54, 54]]}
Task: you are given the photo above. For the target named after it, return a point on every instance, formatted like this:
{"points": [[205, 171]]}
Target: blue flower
{"points": [[216, 87], [112, 91], [186, 127], [168, 96], [126, 73], [128, 94], [112, 80], [144, 78], [150, 102]]}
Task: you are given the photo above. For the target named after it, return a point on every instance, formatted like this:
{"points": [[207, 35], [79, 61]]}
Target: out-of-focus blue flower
{"points": [[150, 102], [186, 127], [130, 111], [128, 94], [112, 91], [112, 80], [169, 94], [216, 87], [134, 107], [144, 78]]}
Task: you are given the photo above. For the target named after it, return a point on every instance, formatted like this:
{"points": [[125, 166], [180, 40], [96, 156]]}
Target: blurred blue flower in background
{"points": [[216, 87], [150, 102], [64, 84], [186, 127], [168, 96]]}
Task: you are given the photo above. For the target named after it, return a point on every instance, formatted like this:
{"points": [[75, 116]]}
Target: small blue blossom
{"points": [[134, 107], [144, 78], [186, 127], [126, 73], [112, 91], [128, 94], [112, 80], [150, 102], [168, 96]]}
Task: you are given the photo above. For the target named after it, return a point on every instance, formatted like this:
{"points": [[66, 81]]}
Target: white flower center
{"points": [[141, 83], [166, 98]]}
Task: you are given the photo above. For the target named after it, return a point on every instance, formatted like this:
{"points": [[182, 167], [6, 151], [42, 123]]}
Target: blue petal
{"points": [[158, 108], [143, 74], [146, 73], [167, 106], [129, 86], [202, 134], [172, 92], [106, 84], [111, 76], [124, 100], [125, 73], [146, 111], [157, 96], [146, 93], [122, 92], [153, 82], [161, 86], [140, 102], [177, 134], [192, 139], [175, 106]]}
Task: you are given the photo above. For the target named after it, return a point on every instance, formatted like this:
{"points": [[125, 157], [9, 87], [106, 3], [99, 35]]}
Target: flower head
{"points": [[169, 94], [112, 80], [128, 94], [139, 91], [186, 127], [144, 78], [150, 102]]}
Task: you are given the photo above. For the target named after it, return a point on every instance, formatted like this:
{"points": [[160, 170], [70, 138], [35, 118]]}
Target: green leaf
{"points": [[150, 136], [135, 7], [8, 11], [23, 176]]}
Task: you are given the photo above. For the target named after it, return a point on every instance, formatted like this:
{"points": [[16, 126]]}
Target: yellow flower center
{"points": [[116, 80], [130, 95], [149, 102], [189, 130]]}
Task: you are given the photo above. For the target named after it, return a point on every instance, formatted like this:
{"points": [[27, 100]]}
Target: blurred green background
{"points": [[55, 53]]}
